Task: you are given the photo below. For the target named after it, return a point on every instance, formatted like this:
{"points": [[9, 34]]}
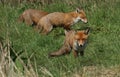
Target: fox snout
{"points": [[80, 44], [84, 20]]}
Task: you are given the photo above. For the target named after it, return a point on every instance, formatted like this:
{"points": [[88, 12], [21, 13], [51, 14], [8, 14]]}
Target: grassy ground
{"points": [[102, 53]]}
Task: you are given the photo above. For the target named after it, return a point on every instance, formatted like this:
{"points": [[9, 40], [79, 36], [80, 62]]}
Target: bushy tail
{"points": [[61, 51]]}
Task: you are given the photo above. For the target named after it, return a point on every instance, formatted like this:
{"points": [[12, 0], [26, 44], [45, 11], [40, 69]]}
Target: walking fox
{"points": [[64, 20], [74, 40], [31, 16]]}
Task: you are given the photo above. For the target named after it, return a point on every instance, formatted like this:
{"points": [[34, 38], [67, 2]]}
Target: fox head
{"points": [[81, 15], [81, 38]]}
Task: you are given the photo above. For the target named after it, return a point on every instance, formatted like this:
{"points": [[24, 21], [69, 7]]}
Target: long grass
{"points": [[102, 55]]}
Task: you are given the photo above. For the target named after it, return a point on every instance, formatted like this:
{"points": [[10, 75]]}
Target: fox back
{"points": [[31, 16], [64, 20]]}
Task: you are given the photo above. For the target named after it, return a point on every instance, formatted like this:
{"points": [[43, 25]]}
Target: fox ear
{"points": [[87, 30], [78, 10]]}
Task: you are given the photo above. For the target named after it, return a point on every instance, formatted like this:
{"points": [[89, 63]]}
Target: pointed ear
{"points": [[87, 30], [78, 10]]}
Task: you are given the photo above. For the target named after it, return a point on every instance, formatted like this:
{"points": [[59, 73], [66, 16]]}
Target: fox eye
{"points": [[78, 39], [83, 39]]}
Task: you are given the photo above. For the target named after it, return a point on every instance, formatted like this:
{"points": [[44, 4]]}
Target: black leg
{"points": [[82, 53]]}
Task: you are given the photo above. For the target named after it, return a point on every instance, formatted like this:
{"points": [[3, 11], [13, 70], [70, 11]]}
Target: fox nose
{"points": [[86, 21], [81, 45]]}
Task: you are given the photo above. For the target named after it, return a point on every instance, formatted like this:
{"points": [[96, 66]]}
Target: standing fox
{"points": [[64, 20], [31, 16], [73, 40]]}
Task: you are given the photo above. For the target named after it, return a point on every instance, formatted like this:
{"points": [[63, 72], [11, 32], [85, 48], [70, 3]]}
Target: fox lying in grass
{"points": [[64, 20], [31, 16], [75, 40]]}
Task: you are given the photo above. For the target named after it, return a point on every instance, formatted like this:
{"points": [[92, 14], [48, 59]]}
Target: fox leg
{"points": [[37, 28], [62, 51], [75, 53], [44, 32], [28, 20], [67, 27], [82, 53], [47, 29]]}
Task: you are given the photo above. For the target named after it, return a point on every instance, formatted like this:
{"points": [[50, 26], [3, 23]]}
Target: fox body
{"points": [[75, 41], [32, 16], [64, 20]]}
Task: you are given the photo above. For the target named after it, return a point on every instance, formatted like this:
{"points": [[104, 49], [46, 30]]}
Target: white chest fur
{"points": [[75, 20]]}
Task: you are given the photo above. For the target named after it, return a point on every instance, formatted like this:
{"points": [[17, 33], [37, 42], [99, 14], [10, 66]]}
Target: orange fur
{"points": [[64, 20], [31, 16], [75, 41]]}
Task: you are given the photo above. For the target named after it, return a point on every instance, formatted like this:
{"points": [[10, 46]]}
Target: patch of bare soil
{"points": [[93, 71]]}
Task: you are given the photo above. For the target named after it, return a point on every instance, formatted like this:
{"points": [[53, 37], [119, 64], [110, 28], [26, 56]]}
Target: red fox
{"points": [[31, 16], [74, 40], [64, 20]]}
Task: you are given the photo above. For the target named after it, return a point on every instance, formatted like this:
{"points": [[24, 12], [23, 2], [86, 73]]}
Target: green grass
{"points": [[103, 49]]}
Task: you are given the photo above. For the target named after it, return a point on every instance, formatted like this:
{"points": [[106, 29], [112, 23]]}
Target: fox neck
{"points": [[73, 14], [75, 17], [75, 20]]}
